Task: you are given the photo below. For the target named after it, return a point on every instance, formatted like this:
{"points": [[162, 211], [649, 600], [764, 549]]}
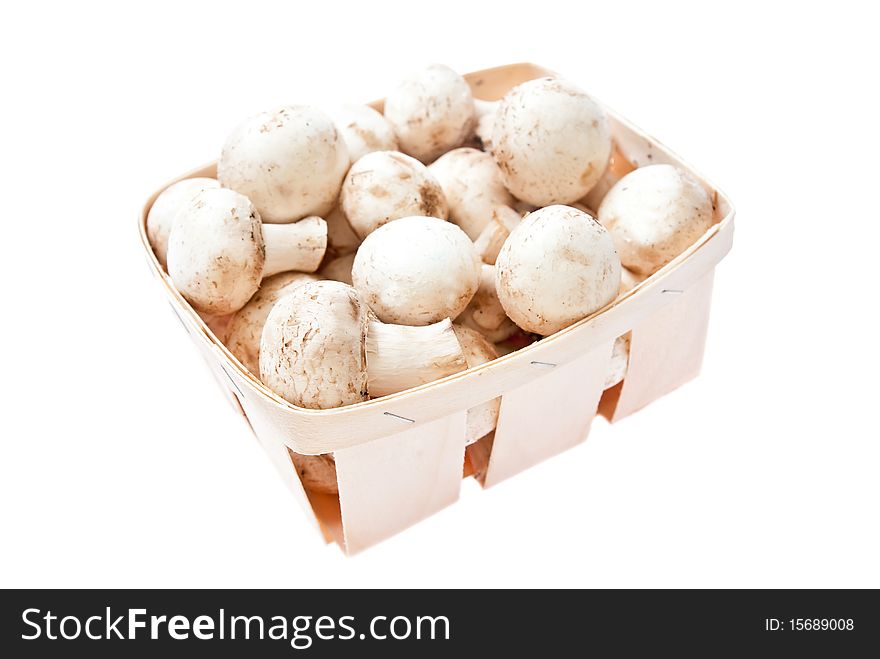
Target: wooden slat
{"points": [[666, 349], [549, 415], [391, 483]]}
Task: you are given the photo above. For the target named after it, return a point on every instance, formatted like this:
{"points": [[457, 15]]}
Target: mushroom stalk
{"points": [[492, 237], [484, 313], [299, 246], [400, 356], [485, 112]]}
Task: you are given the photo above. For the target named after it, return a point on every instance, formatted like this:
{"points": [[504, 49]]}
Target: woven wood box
{"points": [[402, 457]]}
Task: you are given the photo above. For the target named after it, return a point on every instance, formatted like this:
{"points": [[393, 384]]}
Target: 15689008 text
{"points": [[809, 624]]}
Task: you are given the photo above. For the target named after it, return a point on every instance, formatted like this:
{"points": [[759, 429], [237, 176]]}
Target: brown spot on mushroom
{"points": [[432, 200]]}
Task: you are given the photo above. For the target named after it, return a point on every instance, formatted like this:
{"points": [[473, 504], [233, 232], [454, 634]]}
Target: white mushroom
{"points": [[246, 325], [166, 206], [321, 348], [417, 271], [472, 185], [484, 313], [387, 185], [654, 213], [339, 269], [290, 162], [432, 111], [364, 130], [551, 141], [558, 266], [481, 419], [219, 251], [618, 167], [312, 346]]}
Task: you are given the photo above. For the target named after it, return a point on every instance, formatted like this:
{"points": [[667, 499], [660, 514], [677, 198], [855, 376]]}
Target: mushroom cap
{"points": [[654, 213], [312, 347], [551, 141], [473, 187], [417, 271], [558, 266], [364, 130], [290, 162], [216, 251], [246, 325], [166, 206], [481, 419], [432, 111], [387, 185]]}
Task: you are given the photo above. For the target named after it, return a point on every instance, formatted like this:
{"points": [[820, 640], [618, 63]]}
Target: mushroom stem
{"points": [[492, 237], [299, 246], [401, 356], [485, 111], [488, 313]]}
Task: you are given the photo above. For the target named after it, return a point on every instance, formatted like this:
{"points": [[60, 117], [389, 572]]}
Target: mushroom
{"points": [[219, 251], [484, 312], [654, 213], [321, 348], [364, 130], [166, 206], [431, 111], [558, 266], [551, 141], [618, 167], [246, 325], [290, 162], [312, 346], [417, 271], [482, 419], [339, 269], [472, 185], [387, 185]]}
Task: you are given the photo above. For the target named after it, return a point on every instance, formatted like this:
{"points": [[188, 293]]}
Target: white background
{"points": [[122, 465]]}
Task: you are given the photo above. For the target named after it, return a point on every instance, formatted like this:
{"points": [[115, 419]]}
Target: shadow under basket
{"points": [[402, 457]]}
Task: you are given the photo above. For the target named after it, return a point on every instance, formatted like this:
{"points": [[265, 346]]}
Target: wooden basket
{"points": [[401, 458]]}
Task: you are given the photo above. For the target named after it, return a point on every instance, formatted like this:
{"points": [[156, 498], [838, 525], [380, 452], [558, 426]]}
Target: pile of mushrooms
{"points": [[358, 253]]}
